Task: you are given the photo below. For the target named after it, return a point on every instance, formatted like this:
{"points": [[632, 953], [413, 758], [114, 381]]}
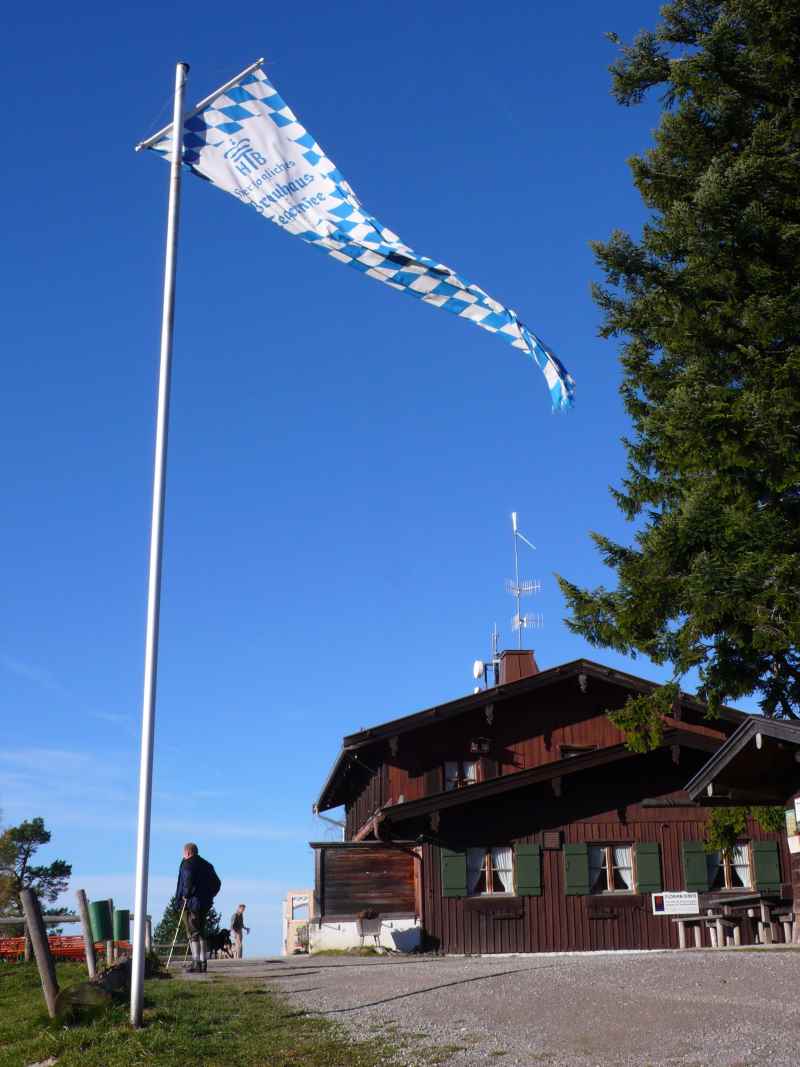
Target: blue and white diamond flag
{"points": [[247, 141]]}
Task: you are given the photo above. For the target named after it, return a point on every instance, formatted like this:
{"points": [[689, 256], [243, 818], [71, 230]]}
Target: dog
{"points": [[220, 942]]}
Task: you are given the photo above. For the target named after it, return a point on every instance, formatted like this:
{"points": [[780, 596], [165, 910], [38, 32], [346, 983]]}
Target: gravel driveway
{"points": [[732, 1008]]}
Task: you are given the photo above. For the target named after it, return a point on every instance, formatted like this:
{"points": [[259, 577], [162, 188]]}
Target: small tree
{"points": [[165, 931], [18, 845]]}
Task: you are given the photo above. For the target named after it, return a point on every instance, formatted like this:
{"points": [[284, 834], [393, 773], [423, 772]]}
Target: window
{"points": [[729, 872], [458, 773], [490, 870], [567, 751], [610, 869]]}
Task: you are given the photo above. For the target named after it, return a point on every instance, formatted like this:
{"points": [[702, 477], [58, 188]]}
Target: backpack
{"points": [[215, 883]]}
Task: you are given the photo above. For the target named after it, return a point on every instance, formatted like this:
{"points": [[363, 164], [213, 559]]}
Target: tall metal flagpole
{"points": [[156, 542]]}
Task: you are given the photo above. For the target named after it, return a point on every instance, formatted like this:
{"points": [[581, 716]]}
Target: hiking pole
{"points": [[175, 938]]}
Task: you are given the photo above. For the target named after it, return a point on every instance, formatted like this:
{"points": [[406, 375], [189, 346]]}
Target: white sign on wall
{"points": [[676, 903]]}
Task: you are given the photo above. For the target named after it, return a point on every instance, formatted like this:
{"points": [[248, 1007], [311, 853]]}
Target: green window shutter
{"points": [[576, 870], [528, 873], [766, 865], [695, 868], [454, 873], [648, 868]]}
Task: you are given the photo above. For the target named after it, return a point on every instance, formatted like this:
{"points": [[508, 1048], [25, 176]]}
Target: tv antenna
{"points": [[519, 589]]}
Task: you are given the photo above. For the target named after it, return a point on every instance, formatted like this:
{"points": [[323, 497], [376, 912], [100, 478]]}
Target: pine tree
{"points": [[165, 931], [708, 303], [18, 846]]}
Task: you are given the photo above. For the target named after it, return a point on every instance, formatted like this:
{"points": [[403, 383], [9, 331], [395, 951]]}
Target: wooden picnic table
{"points": [[727, 912], [749, 902]]}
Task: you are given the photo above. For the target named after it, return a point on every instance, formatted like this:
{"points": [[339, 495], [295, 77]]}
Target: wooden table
{"points": [[750, 903]]}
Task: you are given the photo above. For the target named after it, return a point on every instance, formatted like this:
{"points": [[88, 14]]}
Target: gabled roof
{"points": [[676, 733], [330, 795], [758, 764]]}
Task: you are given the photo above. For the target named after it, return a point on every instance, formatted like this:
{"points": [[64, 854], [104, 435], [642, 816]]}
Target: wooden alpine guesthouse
{"points": [[515, 820]]}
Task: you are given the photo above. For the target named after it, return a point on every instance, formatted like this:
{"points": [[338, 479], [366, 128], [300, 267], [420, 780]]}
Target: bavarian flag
{"points": [[247, 141]]}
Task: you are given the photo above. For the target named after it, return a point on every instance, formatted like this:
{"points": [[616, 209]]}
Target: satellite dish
{"points": [[478, 667]]}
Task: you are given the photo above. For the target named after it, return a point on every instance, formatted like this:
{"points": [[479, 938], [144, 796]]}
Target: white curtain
{"points": [[741, 866], [475, 862], [623, 864], [470, 772], [503, 863]]}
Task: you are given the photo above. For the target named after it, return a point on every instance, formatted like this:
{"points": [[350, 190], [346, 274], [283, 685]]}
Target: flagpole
{"points": [[156, 543]]}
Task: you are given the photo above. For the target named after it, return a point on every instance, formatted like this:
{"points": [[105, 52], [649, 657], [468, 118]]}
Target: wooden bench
{"points": [[696, 924], [722, 929], [787, 921]]}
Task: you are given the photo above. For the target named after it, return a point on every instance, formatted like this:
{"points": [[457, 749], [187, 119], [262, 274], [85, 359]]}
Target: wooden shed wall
{"points": [[350, 880], [556, 922]]}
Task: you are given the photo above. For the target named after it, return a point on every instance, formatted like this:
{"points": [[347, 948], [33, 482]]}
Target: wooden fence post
{"points": [[88, 936], [41, 948]]}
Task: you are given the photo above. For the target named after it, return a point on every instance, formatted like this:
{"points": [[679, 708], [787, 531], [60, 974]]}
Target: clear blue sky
{"points": [[343, 460]]}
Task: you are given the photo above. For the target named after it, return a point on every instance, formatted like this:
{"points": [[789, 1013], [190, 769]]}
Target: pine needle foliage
{"points": [[727, 825], [641, 718], [18, 846], [707, 304], [165, 930]]}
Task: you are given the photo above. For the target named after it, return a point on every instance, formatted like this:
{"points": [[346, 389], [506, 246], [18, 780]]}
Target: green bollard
{"points": [[122, 924], [100, 918]]}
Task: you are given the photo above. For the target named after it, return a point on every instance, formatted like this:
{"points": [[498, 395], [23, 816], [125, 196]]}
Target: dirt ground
{"points": [[727, 1008]]}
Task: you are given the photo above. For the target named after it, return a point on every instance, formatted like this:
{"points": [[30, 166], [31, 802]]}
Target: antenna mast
{"points": [[519, 589]]}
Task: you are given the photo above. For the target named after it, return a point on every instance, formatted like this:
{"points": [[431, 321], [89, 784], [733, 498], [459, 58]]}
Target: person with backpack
{"points": [[237, 927], [198, 884]]}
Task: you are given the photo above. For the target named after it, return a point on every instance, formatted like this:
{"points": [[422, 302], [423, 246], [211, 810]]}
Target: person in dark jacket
{"points": [[198, 884]]}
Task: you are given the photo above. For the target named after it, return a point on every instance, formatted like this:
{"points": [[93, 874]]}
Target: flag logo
{"points": [[248, 142]]}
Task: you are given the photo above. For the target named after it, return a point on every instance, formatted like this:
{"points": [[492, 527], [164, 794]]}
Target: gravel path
{"points": [[720, 1008]]}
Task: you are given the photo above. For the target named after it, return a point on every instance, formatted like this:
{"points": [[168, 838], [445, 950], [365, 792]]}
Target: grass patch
{"points": [[195, 1023]]}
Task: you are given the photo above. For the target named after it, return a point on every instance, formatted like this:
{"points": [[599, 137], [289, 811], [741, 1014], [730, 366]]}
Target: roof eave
{"points": [[442, 712], [700, 784]]}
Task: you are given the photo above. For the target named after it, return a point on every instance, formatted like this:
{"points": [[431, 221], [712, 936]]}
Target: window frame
{"points": [[569, 751], [461, 780], [726, 865], [609, 867], [488, 869]]}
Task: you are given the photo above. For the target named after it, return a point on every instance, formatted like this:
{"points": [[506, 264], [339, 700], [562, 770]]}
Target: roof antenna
{"points": [[519, 589], [480, 669]]}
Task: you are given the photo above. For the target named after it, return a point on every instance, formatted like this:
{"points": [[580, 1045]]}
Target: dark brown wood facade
{"points": [[555, 922], [552, 772]]}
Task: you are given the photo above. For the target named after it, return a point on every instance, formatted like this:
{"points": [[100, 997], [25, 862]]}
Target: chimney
{"points": [[516, 664]]}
